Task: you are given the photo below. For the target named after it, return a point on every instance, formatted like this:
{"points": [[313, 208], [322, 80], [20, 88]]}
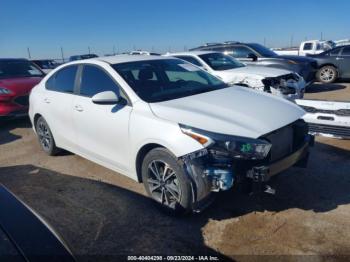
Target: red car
{"points": [[17, 78]]}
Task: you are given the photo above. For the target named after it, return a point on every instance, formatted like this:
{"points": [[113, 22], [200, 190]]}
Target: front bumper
{"points": [[265, 172]]}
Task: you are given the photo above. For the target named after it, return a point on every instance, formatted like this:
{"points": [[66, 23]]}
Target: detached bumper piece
{"points": [[342, 132], [262, 174]]}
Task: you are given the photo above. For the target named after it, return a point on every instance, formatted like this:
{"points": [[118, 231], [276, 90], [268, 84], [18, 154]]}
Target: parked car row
{"points": [[199, 134]]}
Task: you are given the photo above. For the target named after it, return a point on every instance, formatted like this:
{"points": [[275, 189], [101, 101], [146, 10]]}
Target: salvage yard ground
{"points": [[98, 212]]}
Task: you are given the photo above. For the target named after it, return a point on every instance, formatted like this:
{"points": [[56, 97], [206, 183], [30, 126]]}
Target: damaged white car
{"points": [[327, 118], [276, 81], [159, 120]]}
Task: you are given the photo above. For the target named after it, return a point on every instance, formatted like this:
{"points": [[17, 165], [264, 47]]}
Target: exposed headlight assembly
{"points": [[5, 91], [237, 147]]}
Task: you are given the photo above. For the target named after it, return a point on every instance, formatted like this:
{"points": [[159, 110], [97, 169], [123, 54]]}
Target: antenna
{"points": [[28, 50], [62, 54]]}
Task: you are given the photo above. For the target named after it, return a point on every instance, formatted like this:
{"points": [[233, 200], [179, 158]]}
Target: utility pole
{"points": [[264, 41], [89, 49], [62, 54], [321, 35], [291, 41], [114, 50], [28, 50]]}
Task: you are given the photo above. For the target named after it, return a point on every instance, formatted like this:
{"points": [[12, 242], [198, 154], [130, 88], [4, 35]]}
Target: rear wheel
{"points": [[166, 182], [45, 137], [327, 74]]}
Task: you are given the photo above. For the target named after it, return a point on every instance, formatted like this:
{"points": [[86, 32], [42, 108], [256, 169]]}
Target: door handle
{"points": [[47, 101], [78, 108], [339, 58]]}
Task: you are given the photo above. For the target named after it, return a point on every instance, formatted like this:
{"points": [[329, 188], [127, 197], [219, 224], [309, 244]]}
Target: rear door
{"points": [[102, 130], [344, 62], [58, 100]]}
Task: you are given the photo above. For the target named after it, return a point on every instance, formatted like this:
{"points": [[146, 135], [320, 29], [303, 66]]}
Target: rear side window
{"points": [[307, 46], [346, 51], [63, 80], [94, 80], [190, 59]]}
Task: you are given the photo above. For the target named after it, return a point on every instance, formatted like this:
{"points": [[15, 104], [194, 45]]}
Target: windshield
{"points": [[219, 61], [262, 50], [15, 69], [166, 79]]}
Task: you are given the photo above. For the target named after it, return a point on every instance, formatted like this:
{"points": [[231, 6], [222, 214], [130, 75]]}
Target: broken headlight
{"points": [[235, 146]]}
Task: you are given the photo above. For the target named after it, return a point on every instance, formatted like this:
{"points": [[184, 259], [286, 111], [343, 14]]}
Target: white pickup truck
{"points": [[307, 47]]}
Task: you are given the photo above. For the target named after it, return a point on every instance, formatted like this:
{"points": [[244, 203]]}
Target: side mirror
{"points": [[252, 56], [105, 98]]}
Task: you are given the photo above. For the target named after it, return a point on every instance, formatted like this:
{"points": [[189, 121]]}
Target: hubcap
{"points": [[163, 183], [44, 135], [327, 74]]}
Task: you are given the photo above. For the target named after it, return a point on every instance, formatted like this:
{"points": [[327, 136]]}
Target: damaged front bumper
{"points": [[209, 176], [289, 86]]}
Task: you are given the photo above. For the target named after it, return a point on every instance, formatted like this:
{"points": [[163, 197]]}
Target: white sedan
{"points": [[276, 81], [166, 123]]}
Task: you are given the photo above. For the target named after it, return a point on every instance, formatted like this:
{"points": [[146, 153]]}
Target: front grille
{"points": [[22, 100], [338, 131], [286, 140], [339, 112]]}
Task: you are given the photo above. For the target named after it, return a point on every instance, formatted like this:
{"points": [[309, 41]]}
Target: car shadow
{"points": [[100, 221], [319, 87], [6, 126]]}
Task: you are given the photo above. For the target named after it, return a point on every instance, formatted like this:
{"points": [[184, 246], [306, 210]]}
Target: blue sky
{"points": [[45, 26]]}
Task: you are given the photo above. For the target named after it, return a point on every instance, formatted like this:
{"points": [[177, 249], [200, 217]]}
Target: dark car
{"points": [[256, 54], [333, 64], [26, 236], [17, 78], [46, 64], [81, 57]]}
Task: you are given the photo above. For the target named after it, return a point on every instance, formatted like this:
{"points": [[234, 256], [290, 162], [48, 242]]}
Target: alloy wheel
{"points": [[163, 183], [327, 74], [44, 135]]}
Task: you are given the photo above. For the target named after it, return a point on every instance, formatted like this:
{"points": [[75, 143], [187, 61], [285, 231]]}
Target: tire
{"points": [[172, 190], [45, 137], [327, 74]]}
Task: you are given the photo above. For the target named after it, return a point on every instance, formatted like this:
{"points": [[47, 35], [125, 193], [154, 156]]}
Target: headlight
{"points": [[292, 62], [237, 147], [247, 148], [5, 91], [193, 132]]}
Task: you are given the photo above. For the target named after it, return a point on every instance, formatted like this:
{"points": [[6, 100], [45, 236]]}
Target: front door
{"points": [[102, 130]]}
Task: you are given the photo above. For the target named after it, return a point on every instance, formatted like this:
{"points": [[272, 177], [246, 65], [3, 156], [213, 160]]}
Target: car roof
{"points": [[12, 59], [192, 53], [126, 58]]}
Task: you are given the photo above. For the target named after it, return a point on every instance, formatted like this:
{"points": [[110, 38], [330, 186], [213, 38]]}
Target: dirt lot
{"points": [[99, 212]]}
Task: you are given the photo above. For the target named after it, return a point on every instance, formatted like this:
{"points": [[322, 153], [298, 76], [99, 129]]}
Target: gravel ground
{"points": [[99, 212]]}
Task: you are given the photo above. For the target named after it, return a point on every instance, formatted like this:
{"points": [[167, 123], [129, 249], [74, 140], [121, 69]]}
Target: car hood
{"points": [[233, 111], [257, 71], [21, 85], [300, 59]]}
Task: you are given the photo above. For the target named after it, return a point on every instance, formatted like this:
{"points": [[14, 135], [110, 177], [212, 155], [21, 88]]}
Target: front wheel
{"points": [[166, 182], [327, 74]]}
